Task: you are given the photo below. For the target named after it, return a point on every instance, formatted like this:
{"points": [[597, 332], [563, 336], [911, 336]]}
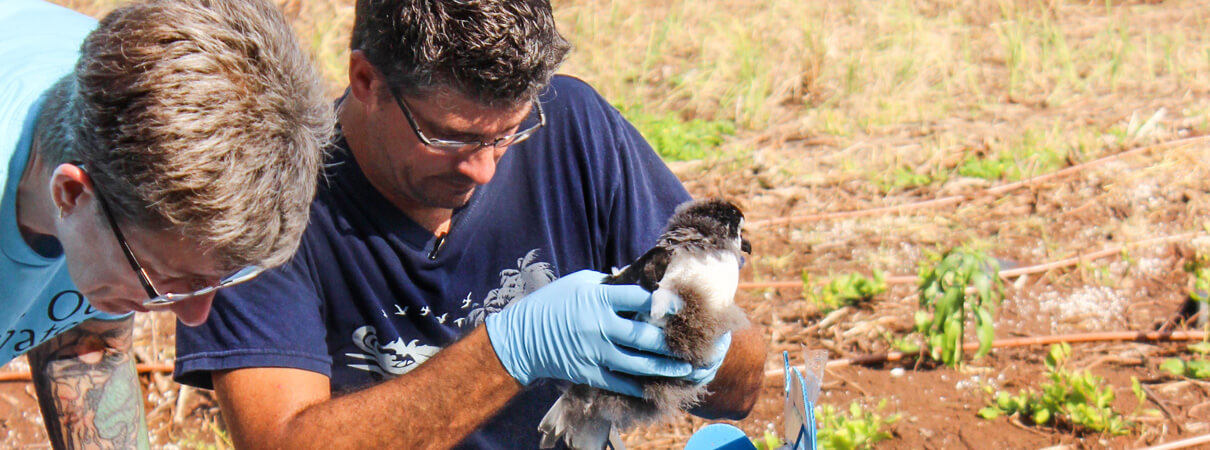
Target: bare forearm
{"points": [[88, 389], [735, 389], [434, 406]]}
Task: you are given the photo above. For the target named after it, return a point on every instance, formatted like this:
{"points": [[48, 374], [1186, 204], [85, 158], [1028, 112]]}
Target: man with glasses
{"points": [[198, 287], [134, 180], [464, 178]]}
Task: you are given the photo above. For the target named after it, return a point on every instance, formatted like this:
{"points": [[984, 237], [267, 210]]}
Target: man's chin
{"points": [[450, 201]]}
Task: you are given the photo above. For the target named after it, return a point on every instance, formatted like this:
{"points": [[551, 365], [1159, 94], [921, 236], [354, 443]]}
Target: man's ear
{"points": [[69, 185], [364, 78]]}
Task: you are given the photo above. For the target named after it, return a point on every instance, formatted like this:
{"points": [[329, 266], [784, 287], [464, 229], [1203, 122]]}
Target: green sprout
{"points": [[676, 139], [770, 441], [859, 428], [1076, 399], [1198, 368], [946, 302], [845, 290]]}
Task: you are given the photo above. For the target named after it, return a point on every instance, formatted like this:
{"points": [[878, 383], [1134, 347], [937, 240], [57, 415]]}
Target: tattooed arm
{"points": [[88, 389]]}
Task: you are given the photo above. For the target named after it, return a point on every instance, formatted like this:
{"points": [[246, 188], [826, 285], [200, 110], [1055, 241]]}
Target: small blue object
{"points": [[719, 436], [801, 393]]}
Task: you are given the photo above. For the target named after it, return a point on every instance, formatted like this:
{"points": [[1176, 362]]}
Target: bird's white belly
{"points": [[713, 276]]}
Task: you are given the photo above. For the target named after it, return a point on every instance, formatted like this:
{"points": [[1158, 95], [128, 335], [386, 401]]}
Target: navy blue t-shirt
{"points": [[367, 298]]}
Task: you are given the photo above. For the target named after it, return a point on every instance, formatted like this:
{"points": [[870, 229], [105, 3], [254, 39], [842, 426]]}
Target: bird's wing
{"points": [[647, 271]]}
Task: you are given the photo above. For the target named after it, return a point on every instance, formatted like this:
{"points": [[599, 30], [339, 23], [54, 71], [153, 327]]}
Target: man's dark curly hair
{"points": [[495, 52]]}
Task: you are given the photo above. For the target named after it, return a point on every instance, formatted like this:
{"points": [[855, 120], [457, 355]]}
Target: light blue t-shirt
{"points": [[39, 44]]}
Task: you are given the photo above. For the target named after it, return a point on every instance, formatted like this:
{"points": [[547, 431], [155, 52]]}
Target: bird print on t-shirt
{"points": [[529, 276], [391, 359]]}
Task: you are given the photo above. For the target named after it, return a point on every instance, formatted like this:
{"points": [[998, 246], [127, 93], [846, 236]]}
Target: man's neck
{"points": [[355, 128], [35, 210]]}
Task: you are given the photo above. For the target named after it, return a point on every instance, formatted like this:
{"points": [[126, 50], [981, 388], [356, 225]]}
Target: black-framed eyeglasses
{"points": [[154, 297], [452, 147]]}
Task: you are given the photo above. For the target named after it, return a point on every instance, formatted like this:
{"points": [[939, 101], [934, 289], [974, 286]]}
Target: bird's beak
{"points": [[745, 246]]}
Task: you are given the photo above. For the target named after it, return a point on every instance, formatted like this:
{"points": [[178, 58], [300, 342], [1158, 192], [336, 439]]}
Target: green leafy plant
{"points": [[1037, 151], [860, 428], [1199, 268], [676, 139], [906, 344], [1193, 368], [945, 302], [992, 168], [1199, 367], [1076, 399], [905, 178], [770, 441], [845, 290]]}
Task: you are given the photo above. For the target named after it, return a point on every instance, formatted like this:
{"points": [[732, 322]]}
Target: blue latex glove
{"points": [[570, 330], [703, 375]]}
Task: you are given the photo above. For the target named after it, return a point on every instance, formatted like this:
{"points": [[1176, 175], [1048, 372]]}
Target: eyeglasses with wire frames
{"points": [[155, 298], [454, 148]]}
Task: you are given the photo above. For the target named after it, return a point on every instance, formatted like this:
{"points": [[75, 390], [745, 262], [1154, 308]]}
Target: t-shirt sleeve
{"points": [[647, 196], [274, 320], [640, 191]]}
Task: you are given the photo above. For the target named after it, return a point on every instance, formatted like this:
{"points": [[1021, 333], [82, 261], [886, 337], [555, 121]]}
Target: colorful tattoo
{"points": [[88, 389]]}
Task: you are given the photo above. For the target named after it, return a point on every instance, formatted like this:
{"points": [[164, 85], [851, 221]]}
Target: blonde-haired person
{"points": [[170, 150]]}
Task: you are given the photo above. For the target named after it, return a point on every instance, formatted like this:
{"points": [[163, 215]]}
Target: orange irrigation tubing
{"points": [[1107, 336], [24, 375], [954, 199], [1094, 255], [1009, 273], [895, 279]]}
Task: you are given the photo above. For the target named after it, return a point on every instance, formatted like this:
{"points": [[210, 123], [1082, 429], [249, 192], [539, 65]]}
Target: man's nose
{"points": [[193, 311], [480, 166]]}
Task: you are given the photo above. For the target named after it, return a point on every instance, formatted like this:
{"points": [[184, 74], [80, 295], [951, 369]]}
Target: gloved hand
{"points": [[570, 330], [703, 375]]}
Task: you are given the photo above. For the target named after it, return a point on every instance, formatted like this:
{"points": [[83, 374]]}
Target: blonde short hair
{"points": [[200, 116]]}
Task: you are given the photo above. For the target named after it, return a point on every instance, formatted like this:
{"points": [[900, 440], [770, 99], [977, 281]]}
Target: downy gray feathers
{"points": [[694, 268]]}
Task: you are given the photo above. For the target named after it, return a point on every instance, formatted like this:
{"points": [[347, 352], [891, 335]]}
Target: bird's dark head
{"points": [[719, 221]]}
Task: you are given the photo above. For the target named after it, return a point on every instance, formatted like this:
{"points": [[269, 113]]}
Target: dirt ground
{"points": [[1151, 195]]}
